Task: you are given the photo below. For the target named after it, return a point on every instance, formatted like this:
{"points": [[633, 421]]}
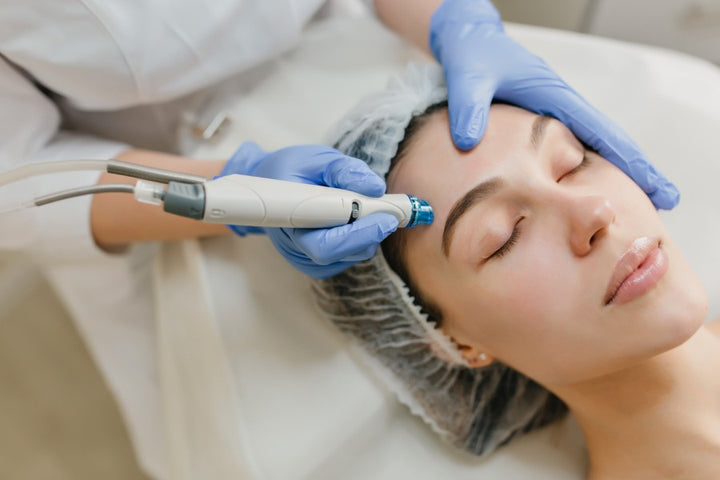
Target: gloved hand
{"points": [[481, 63], [319, 253]]}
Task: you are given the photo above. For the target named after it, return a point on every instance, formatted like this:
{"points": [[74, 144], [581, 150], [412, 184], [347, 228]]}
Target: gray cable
{"points": [[76, 192], [150, 173], [110, 166]]}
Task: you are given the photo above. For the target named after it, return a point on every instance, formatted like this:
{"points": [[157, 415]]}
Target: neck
{"points": [[659, 419]]}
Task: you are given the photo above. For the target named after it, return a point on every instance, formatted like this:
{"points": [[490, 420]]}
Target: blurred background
{"points": [[691, 26], [59, 421]]}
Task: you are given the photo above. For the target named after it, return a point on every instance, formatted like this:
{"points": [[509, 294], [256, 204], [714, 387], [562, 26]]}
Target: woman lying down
{"points": [[546, 283]]}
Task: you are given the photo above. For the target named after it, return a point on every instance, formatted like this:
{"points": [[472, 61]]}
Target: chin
{"points": [[681, 310]]}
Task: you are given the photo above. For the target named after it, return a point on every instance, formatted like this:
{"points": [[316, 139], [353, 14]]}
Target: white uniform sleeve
{"points": [[30, 132]]}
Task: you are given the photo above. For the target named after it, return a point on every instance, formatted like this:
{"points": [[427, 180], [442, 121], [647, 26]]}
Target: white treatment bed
{"points": [[255, 384]]}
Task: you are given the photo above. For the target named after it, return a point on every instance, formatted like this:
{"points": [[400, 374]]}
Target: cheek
{"points": [[680, 299], [525, 297], [677, 307], [626, 197]]}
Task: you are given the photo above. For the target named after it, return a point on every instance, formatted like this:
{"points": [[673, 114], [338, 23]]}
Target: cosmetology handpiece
{"points": [[263, 202], [234, 199]]}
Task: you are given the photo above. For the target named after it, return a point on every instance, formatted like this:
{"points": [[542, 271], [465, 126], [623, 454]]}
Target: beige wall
{"points": [[691, 26]]}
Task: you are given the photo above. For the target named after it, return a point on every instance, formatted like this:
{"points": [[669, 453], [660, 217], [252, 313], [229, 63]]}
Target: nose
{"points": [[589, 219]]}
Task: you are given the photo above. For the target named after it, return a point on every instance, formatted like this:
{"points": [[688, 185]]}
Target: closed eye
{"points": [[583, 164], [502, 251], [515, 235]]}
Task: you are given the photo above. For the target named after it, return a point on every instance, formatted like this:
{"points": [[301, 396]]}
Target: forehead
{"points": [[433, 169], [432, 158]]}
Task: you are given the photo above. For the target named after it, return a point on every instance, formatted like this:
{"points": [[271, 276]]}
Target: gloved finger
{"points": [[241, 230], [238, 230], [353, 242], [605, 137], [255, 230], [245, 159], [353, 174], [666, 197], [469, 98]]}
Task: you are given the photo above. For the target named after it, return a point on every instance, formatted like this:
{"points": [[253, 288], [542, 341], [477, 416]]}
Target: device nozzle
{"points": [[422, 212]]}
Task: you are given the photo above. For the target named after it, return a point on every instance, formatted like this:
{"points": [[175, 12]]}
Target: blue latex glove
{"points": [[481, 63], [319, 253]]}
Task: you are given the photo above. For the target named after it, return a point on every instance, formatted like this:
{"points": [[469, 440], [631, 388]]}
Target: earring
{"points": [[482, 357]]}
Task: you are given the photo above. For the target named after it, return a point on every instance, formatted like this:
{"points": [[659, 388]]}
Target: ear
{"points": [[474, 356]]}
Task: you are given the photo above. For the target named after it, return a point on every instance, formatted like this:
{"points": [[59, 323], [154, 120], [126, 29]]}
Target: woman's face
{"points": [[525, 271]]}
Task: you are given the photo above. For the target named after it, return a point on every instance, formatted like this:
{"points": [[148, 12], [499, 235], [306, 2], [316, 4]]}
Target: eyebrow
{"points": [[477, 194], [487, 188], [537, 133]]}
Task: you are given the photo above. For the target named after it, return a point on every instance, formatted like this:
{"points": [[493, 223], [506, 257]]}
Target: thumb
{"points": [[469, 99]]}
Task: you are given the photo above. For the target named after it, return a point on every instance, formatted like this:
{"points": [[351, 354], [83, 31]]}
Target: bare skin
{"points": [[408, 18], [659, 420], [714, 327]]}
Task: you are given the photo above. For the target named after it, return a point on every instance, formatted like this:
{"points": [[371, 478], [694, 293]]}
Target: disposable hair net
{"points": [[476, 409]]}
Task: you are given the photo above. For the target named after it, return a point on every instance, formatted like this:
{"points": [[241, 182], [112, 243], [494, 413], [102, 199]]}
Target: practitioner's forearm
{"points": [[409, 18], [117, 219]]}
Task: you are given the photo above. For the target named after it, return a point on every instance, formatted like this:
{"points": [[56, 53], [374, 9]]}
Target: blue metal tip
{"points": [[422, 212]]}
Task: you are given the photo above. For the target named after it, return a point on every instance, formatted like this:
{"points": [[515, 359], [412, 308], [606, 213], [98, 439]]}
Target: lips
{"points": [[639, 269]]}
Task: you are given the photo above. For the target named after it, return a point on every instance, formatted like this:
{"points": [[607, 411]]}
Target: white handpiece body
{"points": [[256, 201]]}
